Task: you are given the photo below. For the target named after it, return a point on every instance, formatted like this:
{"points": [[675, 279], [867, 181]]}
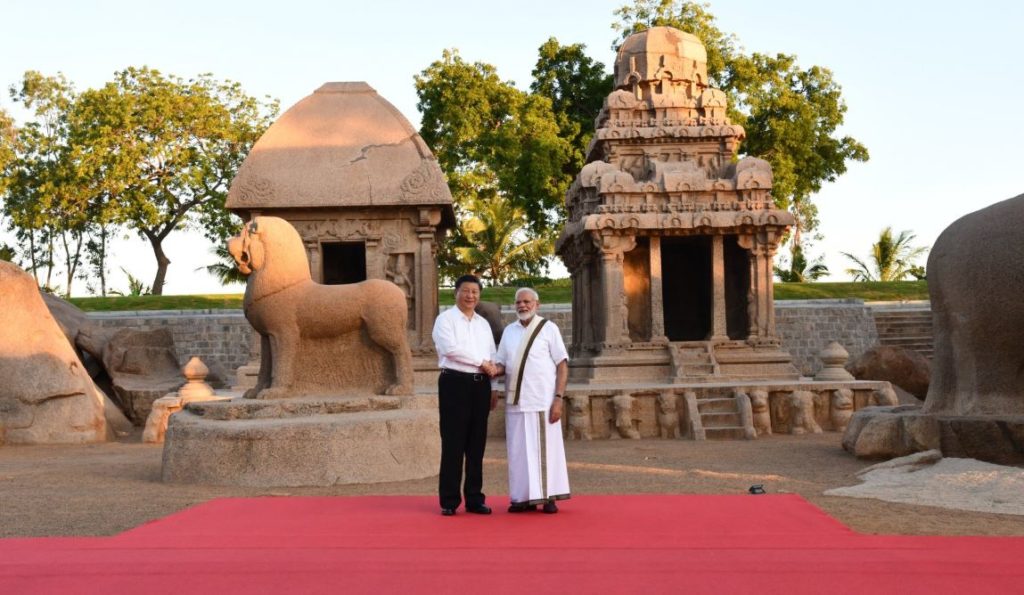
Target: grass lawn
{"points": [[559, 292]]}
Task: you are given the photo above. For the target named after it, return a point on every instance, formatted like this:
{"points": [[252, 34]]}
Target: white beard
{"points": [[524, 316]]}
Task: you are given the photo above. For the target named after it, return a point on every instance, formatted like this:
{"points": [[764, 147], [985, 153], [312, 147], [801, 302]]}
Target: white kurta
{"points": [[536, 453]]}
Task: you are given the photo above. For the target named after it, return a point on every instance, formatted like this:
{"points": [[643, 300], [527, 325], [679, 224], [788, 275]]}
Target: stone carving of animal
{"points": [[299, 321], [622, 404], [579, 418], [842, 409], [885, 396], [801, 413], [759, 408], [668, 416]]}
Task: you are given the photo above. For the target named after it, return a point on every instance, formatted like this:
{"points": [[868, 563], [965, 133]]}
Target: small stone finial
{"points": [[196, 388], [833, 358]]}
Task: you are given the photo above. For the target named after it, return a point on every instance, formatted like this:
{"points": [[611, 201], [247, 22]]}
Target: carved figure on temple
{"points": [[761, 415], [622, 404], [668, 416], [299, 319], [842, 409], [885, 397], [579, 417], [801, 413]]}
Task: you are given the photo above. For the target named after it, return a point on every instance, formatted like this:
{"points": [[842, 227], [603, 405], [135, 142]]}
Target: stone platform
{"points": [[314, 440], [708, 410]]}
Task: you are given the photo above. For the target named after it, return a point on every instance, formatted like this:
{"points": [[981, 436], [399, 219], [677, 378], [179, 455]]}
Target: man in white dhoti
{"points": [[536, 367]]}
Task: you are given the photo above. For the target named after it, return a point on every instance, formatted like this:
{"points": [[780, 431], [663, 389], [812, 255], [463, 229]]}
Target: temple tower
{"points": [[670, 240]]}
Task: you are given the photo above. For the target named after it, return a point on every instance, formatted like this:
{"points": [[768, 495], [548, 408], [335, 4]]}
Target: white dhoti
{"points": [[536, 458]]}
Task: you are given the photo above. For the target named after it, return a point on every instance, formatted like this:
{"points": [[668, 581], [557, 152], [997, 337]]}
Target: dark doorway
{"points": [[344, 262], [686, 287], [737, 286]]}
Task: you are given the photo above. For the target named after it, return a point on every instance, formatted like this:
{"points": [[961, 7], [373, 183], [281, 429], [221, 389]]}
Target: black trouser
{"points": [[464, 401]]}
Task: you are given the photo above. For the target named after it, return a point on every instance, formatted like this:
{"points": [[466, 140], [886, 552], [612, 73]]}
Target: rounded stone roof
{"points": [[661, 52], [342, 146]]}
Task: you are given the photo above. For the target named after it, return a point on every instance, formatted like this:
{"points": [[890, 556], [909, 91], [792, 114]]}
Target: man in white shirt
{"points": [[536, 365], [465, 354]]}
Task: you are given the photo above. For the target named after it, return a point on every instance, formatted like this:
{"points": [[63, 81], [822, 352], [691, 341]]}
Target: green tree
{"points": [[891, 259], [169, 148], [494, 142], [500, 245], [791, 115], [800, 271], [577, 87], [493, 139], [45, 198]]}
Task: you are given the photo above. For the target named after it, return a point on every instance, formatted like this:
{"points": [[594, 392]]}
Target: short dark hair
{"points": [[467, 279]]}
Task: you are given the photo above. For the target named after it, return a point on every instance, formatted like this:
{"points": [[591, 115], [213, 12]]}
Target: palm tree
{"points": [[892, 259], [500, 246], [798, 271], [225, 270]]}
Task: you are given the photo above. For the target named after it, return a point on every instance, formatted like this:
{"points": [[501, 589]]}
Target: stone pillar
{"points": [[375, 259], [313, 251], [426, 277], [657, 295], [718, 320], [613, 291]]}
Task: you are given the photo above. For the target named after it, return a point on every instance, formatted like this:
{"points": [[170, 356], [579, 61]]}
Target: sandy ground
{"points": [[104, 489]]}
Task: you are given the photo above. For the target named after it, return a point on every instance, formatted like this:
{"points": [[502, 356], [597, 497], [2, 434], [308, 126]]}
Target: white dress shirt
{"points": [[538, 387], [462, 343]]}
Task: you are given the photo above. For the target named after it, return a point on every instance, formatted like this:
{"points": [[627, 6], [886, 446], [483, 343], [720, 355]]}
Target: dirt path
{"points": [[104, 489]]}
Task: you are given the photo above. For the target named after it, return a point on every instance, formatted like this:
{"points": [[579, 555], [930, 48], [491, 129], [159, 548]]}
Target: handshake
{"points": [[492, 369]]}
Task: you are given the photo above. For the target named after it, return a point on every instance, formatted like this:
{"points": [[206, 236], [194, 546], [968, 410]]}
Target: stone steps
{"points": [[720, 418], [909, 328]]}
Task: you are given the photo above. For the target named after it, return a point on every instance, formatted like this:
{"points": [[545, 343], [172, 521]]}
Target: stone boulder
{"points": [[491, 312], [904, 368], [143, 366], [975, 281], [47, 397]]}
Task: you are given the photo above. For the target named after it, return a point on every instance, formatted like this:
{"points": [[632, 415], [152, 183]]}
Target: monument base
{"points": [[686, 362], [709, 409], [307, 441], [889, 432]]}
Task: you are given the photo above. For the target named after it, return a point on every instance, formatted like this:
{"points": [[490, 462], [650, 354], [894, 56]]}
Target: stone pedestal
{"points": [[309, 441]]}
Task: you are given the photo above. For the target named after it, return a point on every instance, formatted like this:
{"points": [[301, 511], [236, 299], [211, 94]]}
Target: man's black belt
{"points": [[474, 376]]}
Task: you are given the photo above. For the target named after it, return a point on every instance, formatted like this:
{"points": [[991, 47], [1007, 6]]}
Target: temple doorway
{"points": [[686, 287], [344, 262]]}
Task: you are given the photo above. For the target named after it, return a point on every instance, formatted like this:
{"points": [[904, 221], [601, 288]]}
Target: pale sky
{"points": [[933, 88]]}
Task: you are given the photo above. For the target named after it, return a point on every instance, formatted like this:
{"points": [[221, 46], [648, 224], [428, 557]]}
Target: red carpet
{"points": [[605, 544]]}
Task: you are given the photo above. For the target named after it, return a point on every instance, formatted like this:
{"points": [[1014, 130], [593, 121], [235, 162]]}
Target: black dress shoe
{"points": [[479, 509], [522, 507], [550, 507], [447, 512]]}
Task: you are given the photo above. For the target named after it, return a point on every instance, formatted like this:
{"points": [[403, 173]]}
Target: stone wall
{"points": [[807, 326], [219, 337], [222, 337]]}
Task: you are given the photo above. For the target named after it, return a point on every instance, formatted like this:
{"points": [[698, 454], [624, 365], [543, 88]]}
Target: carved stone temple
{"points": [[670, 241], [365, 193]]}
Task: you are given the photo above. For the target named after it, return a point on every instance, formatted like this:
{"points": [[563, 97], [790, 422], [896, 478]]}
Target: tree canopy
{"points": [[147, 152], [497, 142], [168, 149], [791, 114]]}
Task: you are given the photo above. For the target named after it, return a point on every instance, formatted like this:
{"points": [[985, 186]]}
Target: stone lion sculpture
{"points": [[579, 418], [801, 413], [668, 415], [762, 417], [318, 339]]}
